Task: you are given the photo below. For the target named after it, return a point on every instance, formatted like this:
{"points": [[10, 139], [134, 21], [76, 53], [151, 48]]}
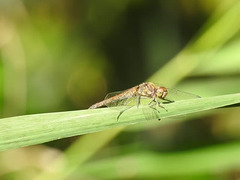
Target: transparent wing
{"points": [[114, 101], [127, 101], [112, 94], [175, 95], [122, 102]]}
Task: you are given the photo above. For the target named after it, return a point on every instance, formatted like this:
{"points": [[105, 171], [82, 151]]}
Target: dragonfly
{"points": [[149, 90]]}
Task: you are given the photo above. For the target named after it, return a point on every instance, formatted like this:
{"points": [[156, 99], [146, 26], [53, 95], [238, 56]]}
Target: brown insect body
{"points": [[147, 89]]}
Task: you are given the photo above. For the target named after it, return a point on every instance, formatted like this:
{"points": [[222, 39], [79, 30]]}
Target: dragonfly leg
{"points": [[121, 112], [159, 105], [129, 100], [156, 103], [168, 101], [152, 105], [138, 100]]}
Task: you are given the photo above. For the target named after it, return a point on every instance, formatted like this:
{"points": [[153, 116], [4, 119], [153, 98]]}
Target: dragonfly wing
{"points": [[118, 102], [175, 95], [112, 94], [123, 102]]}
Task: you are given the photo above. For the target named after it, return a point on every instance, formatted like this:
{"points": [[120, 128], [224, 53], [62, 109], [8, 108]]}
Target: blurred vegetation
{"points": [[66, 55]]}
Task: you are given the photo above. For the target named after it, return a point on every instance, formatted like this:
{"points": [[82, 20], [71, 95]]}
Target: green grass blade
{"points": [[35, 129], [187, 163]]}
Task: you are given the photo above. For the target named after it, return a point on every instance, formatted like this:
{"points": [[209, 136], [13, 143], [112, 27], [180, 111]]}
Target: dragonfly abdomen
{"points": [[99, 104], [106, 102]]}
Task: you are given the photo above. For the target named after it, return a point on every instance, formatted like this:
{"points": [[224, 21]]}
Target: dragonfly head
{"points": [[161, 92]]}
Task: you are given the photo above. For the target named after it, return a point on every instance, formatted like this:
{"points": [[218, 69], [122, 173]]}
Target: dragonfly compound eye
{"points": [[162, 92]]}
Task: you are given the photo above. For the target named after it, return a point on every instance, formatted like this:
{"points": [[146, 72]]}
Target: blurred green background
{"points": [[66, 55]]}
